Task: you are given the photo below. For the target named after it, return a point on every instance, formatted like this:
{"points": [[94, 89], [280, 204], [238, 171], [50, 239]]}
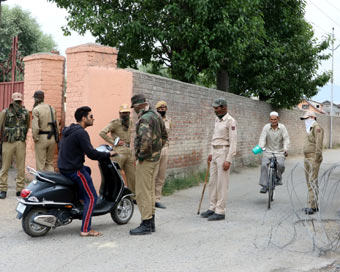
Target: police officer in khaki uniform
{"points": [[312, 150], [45, 131], [223, 148], [122, 128], [14, 122], [162, 108]]}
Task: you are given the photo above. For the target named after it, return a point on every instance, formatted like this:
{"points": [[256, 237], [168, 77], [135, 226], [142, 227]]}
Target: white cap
{"points": [[274, 113]]}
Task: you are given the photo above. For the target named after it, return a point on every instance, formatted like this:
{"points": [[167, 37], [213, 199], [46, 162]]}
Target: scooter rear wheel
{"points": [[123, 211], [30, 227]]}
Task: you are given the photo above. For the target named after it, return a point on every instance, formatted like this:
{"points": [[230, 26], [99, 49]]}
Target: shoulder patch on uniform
{"points": [[233, 127], [318, 130]]}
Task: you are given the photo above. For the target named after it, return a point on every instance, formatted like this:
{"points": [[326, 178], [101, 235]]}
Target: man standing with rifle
{"points": [[45, 132]]}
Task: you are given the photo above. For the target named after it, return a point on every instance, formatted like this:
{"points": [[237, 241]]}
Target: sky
{"points": [[322, 14]]}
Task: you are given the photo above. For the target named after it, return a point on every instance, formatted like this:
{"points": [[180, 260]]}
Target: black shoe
{"points": [[278, 182], [310, 210], [144, 228], [263, 190], [18, 193], [216, 217], [159, 205], [207, 214], [3, 194], [153, 226], [134, 202]]}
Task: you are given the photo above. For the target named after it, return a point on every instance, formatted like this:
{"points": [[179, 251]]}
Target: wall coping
{"points": [[47, 55], [92, 47]]}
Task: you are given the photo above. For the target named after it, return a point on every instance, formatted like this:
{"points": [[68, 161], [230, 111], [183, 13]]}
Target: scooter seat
{"points": [[56, 177]]}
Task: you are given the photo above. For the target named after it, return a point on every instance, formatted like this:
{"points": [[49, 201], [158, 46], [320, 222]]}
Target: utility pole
{"points": [[332, 83]]}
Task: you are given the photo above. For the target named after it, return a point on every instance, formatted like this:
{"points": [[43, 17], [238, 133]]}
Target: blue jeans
{"points": [[87, 192]]}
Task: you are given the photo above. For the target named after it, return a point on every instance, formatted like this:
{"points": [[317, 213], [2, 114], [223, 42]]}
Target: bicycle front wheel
{"points": [[270, 186]]}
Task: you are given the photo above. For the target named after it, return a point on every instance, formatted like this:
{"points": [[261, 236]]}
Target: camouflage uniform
{"points": [[150, 137], [15, 123], [312, 150], [45, 145], [126, 159]]}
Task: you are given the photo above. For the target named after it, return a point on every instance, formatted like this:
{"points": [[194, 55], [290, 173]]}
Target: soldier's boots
{"points": [[310, 210], [207, 214], [3, 194], [216, 217], [153, 225], [144, 228]]}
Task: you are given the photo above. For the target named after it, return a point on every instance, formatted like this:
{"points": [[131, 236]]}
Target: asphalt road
{"points": [[251, 238]]}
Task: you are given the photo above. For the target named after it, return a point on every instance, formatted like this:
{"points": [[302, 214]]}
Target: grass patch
{"points": [[174, 184]]}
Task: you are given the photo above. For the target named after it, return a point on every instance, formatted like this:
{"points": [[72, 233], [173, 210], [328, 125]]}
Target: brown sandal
{"points": [[91, 233]]}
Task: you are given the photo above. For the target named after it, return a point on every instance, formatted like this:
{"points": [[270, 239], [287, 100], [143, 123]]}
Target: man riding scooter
{"points": [[74, 144]]}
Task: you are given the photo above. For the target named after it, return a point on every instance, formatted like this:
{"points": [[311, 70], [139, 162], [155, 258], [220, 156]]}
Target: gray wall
{"points": [[189, 107]]}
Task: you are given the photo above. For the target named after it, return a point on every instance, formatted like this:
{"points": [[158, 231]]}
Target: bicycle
{"points": [[272, 177]]}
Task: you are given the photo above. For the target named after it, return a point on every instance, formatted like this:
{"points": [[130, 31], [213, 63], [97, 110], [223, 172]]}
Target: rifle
{"points": [[54, 126], [204, 185]]}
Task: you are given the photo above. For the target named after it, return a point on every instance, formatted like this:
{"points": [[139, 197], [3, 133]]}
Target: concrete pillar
{"points": [[43, 71]]}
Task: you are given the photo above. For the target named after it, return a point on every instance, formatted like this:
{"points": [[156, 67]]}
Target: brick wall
{"points": [[189, 107]]}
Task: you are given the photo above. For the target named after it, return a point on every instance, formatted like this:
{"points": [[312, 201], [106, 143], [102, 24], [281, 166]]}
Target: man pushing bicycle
{"points": [[274, 139]]}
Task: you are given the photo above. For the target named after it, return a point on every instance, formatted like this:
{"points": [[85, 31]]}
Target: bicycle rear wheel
{"points": [[270, 187]]}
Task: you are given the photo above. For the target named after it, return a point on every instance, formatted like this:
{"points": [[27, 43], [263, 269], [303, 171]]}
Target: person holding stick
{"points": [[223, 148]]}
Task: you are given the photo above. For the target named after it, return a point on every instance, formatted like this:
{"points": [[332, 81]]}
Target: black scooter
{"points": [[51, 199]]}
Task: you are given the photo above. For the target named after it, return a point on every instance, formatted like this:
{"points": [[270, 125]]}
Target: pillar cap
{"points": [[92, 47], [49, 56]]}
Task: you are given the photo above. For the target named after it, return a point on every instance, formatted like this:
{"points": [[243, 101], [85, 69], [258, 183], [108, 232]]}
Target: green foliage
{"points": [[282, 68], [263, 48], [175, 184], [16, 21]]}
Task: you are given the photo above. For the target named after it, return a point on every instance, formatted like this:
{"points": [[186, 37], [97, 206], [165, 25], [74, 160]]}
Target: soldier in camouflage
{"points": [[150, 137], [14, 123], [121, 128]]}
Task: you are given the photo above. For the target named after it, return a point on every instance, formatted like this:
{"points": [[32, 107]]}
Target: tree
{"points": [[17, 22], [261, 47], [283, 69]]}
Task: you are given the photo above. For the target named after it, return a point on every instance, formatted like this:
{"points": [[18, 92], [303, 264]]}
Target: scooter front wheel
{"points": [[30, 227], [122, 211]]}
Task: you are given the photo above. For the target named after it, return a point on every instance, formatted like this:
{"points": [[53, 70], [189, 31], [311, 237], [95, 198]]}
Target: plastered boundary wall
{"points": [[189, 107]]}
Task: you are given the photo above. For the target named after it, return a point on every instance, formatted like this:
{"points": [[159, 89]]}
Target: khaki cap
{"points": [[124, 108], [308, 114], [160, 104], [17, 97]]}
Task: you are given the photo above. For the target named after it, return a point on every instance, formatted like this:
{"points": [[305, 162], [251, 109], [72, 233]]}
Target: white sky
{"points": [[322, 14]]}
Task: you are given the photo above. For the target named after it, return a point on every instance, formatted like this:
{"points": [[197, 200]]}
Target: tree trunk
{"points": [[222, 80]]}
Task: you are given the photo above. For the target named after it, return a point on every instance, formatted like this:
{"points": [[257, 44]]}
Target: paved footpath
{"points": [[251, 238]]}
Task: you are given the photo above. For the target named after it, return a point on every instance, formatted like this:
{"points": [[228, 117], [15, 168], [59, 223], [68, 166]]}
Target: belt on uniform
{"points": [[126, 145], [309, 155], [44, 132], [219, 146]]}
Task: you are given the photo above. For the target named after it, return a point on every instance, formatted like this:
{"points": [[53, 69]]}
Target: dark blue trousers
{"points": [[87, 192]]}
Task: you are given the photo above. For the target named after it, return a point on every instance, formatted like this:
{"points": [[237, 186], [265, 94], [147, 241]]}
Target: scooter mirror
{"points": [[116, 141]]}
